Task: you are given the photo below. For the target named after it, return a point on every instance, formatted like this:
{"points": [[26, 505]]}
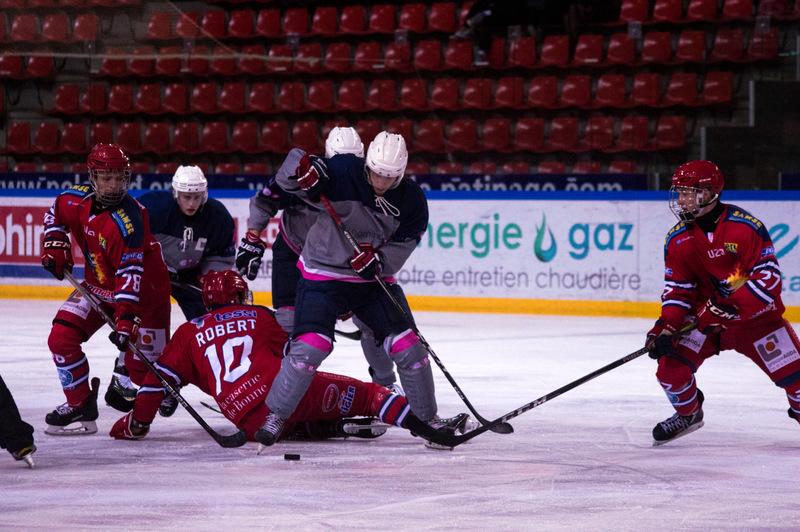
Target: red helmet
{"points": [[107, 157], [109, 160], [224, 288], [699, 174]]}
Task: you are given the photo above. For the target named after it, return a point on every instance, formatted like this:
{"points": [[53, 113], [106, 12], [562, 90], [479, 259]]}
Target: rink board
{"points": [[572, 253]]}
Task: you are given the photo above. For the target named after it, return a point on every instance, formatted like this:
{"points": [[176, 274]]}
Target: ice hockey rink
{"points": [[581, 461]]}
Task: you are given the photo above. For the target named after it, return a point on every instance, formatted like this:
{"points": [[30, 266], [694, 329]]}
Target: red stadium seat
{"points": [[231, 97], [497, 53], [10, 66], [588, 50], [551, 167], [166, 65], [244, 137], [717, 88], [203, 98], [241, 24], [101, 132], [55, 27], [668, 11], [429, 136], [449, 168], [25, 167], [621, 50], [325, 21], [367, 56], [268, 23], [45, 138], [176, 97], [40, 67], [148, 99], [599, 133], [261, 97], [496, 134], [223, 62], [338, 57], [353, 19], [670, 132], [275, 136], [543, 91], [403, 127], [295, 21], [622, 167], [509, 92], [482, 167], [646, 89], [529, 134], [515, 167], [417, 168], [610, 91], [657, 47], [229, 168], [166, 168], [458, 54], [779, 9], [428, 55], [214, 137], [280, 58], [352, 95], [24, 28], [73, 138], [66, 98], [213, 24], [93, 100], [563, 134], [681, 89], [445, 93], [368, 129], [144, 65], [763, 45], [382, 19], [320, 95], [412, 18], [85, 27], [187, 25], [477, 93], [728, 45], [256, 169], [414, 94], [522, 52], [633, 134], [156, 138], [586, 167], [691, 47], [382, 95], [111, 65], [633, 11], [159, 26], [129, 137], [291, 97], [184, 137], [702, 10], [397, 56], [120, 99], [308, 57], [53, 167], [555, 51], [576, 91], [737, 10], [462, 135], [442, 17]]}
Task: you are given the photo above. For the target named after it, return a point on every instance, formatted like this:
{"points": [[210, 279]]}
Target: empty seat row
{"points": [[30, 4], [53, 27], [18, 67], [144, 167], [565, 133], [706, 10], [326, 20]]}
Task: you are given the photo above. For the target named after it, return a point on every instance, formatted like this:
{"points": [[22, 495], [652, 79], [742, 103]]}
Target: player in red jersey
{"points": [[720, 270], [233, 354], [124, 268]]}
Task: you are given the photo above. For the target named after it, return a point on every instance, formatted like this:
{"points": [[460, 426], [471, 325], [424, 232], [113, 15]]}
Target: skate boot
{"points": [[121, 392], [58, 420], [356, 427], [168, 405], [794, 415], [25, 454], [270, 431], [679, 425], [453, 426]]}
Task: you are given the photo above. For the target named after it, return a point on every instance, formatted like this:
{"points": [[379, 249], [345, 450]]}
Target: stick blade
{"points": [[503, 428], [230, 441]]}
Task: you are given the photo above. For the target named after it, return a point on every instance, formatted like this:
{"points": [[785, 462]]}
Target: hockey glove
{"points": [[312, 177], [127, 428], [249, 255], [57, 255], [366, 263], [661, 340], [126, 329], [714, 317]]}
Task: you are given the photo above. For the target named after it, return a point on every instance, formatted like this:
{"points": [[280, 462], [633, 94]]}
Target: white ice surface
{"points": [[582, 461]]}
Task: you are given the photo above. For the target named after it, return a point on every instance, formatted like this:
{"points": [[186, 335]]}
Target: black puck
{"points": [[290, 456]]}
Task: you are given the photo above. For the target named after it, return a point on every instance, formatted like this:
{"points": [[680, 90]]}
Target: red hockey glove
{"points": [[127, 428], [661, 340], [312, 176], [249, 255], [57, 256], [366, 262], [126, 329], [714, 317]]}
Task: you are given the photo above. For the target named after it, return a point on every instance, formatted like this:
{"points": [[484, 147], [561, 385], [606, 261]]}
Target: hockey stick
{"points": [[232, 440], [500, 428]]}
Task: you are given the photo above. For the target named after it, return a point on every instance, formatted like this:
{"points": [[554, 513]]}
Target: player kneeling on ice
{"points": [[720, 270], [233, 354], [124, 269]]}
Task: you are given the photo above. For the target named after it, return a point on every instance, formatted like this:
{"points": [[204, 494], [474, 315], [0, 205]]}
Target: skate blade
{"points": [[681, 435], [437, 447], [84, 428], [365, 431], [29, 461], [260, 449]]}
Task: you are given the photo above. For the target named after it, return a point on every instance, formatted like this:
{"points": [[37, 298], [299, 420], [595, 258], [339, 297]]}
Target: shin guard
{"points": [[415, 372], [306, 353]]}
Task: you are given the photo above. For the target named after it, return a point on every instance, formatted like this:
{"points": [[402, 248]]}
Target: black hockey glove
{"points": [[661, 340], [249, 255]]}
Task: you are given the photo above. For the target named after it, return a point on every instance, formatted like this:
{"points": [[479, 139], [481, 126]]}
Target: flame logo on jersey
{"points": [[98, 271], [732, 283], [102, 241]]}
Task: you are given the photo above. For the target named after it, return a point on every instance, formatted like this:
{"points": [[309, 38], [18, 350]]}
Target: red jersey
{"points": [[232, 354], [736, 263], [116, 242]]}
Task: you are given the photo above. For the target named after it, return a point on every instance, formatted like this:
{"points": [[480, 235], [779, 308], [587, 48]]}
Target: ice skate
{"points": [[679, 425], [59, 420], [270, 431], [168, 405], [25, 455], [455, 426], [121, 392]]}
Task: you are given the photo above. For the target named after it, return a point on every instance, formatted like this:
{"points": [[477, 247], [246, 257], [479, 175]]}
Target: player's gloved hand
{"points": [[366, 263], [126, 329], [312, 176], [661, 339], [714, 317], [249, 255], [57, 254], [127, 428]]}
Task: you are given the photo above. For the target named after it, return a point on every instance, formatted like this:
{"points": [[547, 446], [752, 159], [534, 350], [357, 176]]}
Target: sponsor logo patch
{"points": [[346, 401], [330, 398]]}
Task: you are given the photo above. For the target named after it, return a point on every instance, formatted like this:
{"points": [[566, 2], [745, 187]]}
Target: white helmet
{"points": [[387, 155], [189, 179], [343, 140]]}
